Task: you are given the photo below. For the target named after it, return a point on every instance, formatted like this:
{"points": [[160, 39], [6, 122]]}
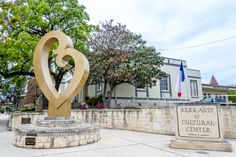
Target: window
{"points": [[224, 97], [165, 83], [193, 88], [141, 89], [98, 87], [165, 86]]}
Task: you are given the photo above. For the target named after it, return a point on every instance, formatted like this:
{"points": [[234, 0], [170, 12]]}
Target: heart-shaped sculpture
{"points": [[59, 104]]}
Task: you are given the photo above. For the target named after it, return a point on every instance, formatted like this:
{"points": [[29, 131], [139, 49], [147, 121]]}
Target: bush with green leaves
{"points": [[27, 109], [233, 97], [93, 101], [9, 109]]}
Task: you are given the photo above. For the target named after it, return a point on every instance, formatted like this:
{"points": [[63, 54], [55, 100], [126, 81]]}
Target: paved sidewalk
{"points": [[114, 143], [3, 122]]}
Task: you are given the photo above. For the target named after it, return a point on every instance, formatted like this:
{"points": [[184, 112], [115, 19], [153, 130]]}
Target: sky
{"points": [[172, 26]]}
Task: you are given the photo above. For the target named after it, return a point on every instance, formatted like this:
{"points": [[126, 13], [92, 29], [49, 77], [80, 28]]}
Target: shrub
{"points": [[1, 109], [100, 106], [232, 98], [99, 98], [86, 98], [9, 109], [27, 109], [93, 101], [83, 106]]}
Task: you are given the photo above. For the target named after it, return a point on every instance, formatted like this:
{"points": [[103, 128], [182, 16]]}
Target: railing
{"points": [[149, 102]]}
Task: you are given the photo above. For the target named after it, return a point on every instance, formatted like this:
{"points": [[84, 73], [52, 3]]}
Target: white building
{"points": [[217, 92], [164, 91]]}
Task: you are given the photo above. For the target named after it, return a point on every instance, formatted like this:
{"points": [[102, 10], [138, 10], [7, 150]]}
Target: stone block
{"points": [[137, 119], [71, 138], [72, 144], [47, 145], [60, 142], [202, 145], [87, 136], [56, 136], [83, 142], [82, 137], [42, 139], [95, 138]]}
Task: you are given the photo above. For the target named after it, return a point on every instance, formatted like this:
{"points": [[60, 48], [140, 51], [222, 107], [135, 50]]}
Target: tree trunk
{"points": [[109, 97], [58, 80], [45, 103], [104, 95], [115, 96], [45, 100], [17, 104]]}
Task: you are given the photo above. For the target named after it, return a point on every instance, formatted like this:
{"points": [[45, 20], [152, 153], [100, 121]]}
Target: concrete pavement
{"points": [[114, 143]]}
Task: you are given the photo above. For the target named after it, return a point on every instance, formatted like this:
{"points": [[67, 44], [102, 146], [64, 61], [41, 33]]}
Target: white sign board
{"points": [[198, 122]]}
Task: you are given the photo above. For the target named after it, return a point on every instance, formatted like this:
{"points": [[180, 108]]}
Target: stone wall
{"points": [[158, 120], [229, 120]]}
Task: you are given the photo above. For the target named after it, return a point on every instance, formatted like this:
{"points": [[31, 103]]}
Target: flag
{"points": [[180, 79]]}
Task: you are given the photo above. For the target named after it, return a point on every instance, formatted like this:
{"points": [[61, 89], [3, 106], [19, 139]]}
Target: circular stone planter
{"points": [[56, 133]]}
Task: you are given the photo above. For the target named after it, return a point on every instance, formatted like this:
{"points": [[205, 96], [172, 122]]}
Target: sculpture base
{"points": [[202, 145], [56, 133]]}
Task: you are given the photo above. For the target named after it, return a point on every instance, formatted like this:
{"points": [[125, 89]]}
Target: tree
{"points": [[233, 95], [12, 89], [24, 22], [32, 92], [121, 56]]}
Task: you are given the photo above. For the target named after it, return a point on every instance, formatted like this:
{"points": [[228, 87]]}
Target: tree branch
{"points": [[21, 73]]}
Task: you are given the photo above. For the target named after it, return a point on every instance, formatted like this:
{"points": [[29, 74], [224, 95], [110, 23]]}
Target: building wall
{"points": [[173, 72], [213, 93], [80, 97], [219, 91], [125, 94], [91, 90], [158, 120], [194, 75]]}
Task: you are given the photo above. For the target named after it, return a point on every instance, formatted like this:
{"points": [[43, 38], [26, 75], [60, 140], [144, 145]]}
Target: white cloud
{"points": [[170, 24]]}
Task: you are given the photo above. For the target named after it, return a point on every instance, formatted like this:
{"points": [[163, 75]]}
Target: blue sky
{"points": [[169, 24]]}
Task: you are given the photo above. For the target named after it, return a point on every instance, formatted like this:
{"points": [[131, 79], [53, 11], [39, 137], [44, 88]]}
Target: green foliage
{"points": [[24, 22], [27, 109], [121, 56], [9, 109], [12, 88], [232, 98], [93, 101]]}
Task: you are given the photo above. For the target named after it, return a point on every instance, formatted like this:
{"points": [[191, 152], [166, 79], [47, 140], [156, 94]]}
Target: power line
{"points": [[198, 45]]}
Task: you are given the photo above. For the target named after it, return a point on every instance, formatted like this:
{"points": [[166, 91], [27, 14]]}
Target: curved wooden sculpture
{"points": [[59, 104]]}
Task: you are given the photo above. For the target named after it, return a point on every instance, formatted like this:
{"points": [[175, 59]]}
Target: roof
{"points": [[218, 87], [213, 81]]}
